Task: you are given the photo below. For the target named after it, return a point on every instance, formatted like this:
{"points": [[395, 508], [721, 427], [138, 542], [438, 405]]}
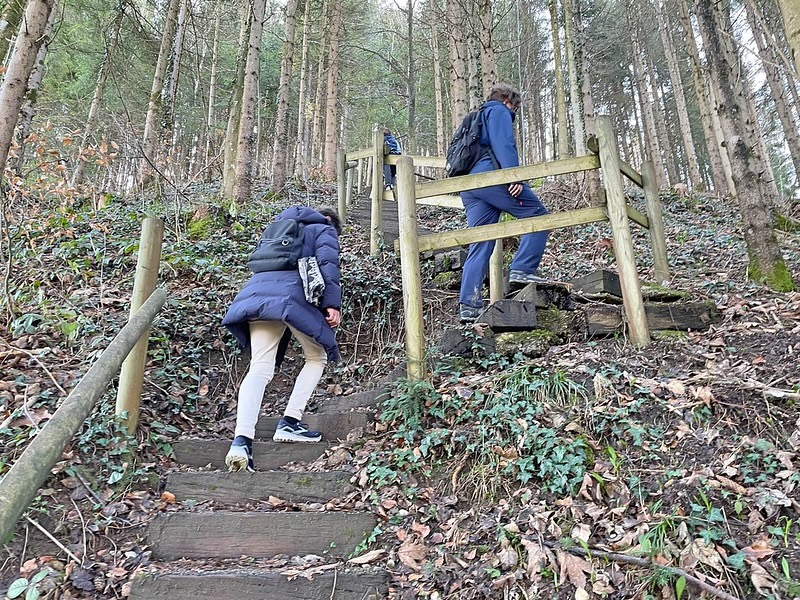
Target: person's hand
{"points": [[333, 317], [515, 189]]}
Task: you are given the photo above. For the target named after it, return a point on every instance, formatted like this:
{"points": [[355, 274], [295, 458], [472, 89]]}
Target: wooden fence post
{"points": [[129, 393], [362, 163], [621, 233], [409, 263], [348, 197], [657, 240], [496, 272], [19, 485], [376, 216], [341, 180]]}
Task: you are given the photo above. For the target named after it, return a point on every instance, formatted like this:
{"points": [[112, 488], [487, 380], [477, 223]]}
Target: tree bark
{"points": [[9, 24], [488, 57], [437, 87], [332, 96], [15, 82], [317, 147], [411, 80], [97, 96], [280, 149], [301, 157], [695, 179], [562, 125], [211, 117], [231, 143], [574, 89], [247, 135], [777, 88], [154, 106], [458, 63], [790, 11], [753, 192]]}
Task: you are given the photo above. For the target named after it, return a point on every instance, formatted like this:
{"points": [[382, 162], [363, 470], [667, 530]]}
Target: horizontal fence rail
{"points": [[19, 486]]}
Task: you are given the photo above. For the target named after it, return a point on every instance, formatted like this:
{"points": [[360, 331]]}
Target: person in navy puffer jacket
{"points": [[259, 316], [484, 206]]}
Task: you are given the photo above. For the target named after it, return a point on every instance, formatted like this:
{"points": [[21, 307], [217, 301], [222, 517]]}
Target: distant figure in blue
{"points": [[484, 206], [389, 171]]}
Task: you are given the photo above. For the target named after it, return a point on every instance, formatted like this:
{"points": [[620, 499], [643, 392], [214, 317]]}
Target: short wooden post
{"points": [[621, 233], [409, 263], [657, 240], [362, 167], [341, 180], [496, 272], [376, 215], [131, 375], [348, 198]]}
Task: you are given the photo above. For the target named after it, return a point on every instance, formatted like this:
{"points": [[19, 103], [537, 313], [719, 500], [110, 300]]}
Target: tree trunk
{"points": [[15, 82], [595, 188], [29, 105], [753, 192], [174, 70], [411, 80], [720, 168], [211, 120], [665, 145], [9, 24], [790, 11], [695, 179], [247, 122], [777, 88], [315, 152], [488, 57], [97, 97], [437, 87], [562, 125], [280, 149], [332, 96], [301, 158], [458, 63], [231, 143], [151, 129], [574, 89]]}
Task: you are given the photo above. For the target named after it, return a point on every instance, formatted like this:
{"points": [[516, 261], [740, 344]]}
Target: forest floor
{"points": [[597, 470]]}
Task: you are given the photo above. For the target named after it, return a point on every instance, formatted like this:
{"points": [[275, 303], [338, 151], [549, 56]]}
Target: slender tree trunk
{"points": [[437, 88], [280, 149], [458, 63], [247, 122], [231, 143], [301, 158], [170, 91], [691, 162], [29, 106], [574, 89], [474, 83], [790, 11], [720, 171], [593, 177], [23, 58], [411, 80], [332, 98], [777, 88], [151, 129], [488, 57], [211, 117], [97, 97], [316, 130], [668, 152], [562, 124], [753, 192], [9, 24]]}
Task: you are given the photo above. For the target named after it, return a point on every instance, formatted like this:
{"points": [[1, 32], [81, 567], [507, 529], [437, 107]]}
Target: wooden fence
{"points": [[20, 484], [442, 192]]}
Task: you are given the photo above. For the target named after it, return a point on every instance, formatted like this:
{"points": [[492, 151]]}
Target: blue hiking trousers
{"points": [[483, 207]]}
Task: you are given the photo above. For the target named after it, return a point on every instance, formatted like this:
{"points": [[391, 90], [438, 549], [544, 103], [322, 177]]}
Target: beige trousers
{"points": [[264, 339]]}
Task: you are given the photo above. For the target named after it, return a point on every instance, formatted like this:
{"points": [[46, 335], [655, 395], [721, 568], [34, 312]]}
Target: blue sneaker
{"points": [[240, 456], [522, 277], [299, 432]]}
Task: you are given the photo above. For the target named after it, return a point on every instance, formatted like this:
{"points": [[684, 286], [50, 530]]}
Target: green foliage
{"points": [[30, 587]]}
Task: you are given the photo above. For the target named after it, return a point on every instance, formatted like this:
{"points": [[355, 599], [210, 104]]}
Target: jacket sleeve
{"points": [[326, 251], [500, 128]]}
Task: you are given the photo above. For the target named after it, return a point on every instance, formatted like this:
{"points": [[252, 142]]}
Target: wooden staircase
{"points": [[269, 535]]}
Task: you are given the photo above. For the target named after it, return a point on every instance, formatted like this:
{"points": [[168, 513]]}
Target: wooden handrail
{"points": [[18, 487]]}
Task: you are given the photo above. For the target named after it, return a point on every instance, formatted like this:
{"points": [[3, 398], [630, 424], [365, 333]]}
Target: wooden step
{"points": [[334, 426], [342, 583], [238, 488], [266, 455], [227, 534]]}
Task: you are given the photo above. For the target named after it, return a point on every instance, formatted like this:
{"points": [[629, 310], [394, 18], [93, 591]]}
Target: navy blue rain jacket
{"points": [[279, 296], [498, 134]]}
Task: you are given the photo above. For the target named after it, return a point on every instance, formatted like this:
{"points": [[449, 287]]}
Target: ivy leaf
{"points": [[680, 586], [17, 587]]}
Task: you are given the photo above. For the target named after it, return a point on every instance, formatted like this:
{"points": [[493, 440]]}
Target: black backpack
{"points": [[279, 248], [465, 149]]}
